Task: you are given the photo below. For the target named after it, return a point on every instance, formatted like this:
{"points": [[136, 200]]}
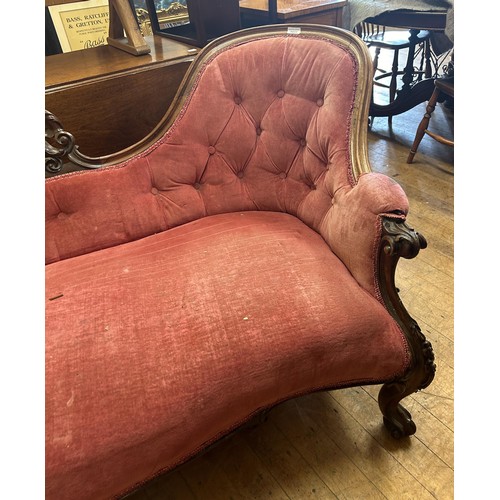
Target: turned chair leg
{"points": [[375, 60], [428, 65], [394, 77], [394, 82], [425, 67], [424, 124]]}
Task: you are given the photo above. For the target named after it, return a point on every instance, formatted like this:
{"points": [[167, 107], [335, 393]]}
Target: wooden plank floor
{"points": [[332, 445]]}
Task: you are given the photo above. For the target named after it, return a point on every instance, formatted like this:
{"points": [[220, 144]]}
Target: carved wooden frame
{"points": [[397, 238]]}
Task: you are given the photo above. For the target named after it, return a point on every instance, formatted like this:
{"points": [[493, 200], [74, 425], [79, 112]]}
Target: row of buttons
{"points": [[212, 150], [281, 93], [240, 175]]}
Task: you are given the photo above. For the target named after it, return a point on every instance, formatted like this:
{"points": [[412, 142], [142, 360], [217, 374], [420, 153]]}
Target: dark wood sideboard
{"points": [[84, 88]]}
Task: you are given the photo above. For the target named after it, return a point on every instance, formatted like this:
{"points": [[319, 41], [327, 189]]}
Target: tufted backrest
{"points": [[267, 119]]}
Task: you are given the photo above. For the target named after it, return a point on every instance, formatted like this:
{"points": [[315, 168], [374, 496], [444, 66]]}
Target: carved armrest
{"points": [[400, 240]]}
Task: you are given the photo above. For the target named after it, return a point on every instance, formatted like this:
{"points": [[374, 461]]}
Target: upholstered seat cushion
{"points": [[161, 345]]}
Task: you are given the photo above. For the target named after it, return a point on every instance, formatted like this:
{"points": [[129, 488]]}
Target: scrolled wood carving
{"points": [[400, 240], [58, 143], [60, 146]]}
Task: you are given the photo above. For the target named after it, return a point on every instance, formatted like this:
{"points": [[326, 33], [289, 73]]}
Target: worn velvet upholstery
{"points": [[228, 267]]}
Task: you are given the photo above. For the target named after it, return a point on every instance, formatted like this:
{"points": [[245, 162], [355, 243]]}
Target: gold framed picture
{"points": [[81, 25], [170, 13]]}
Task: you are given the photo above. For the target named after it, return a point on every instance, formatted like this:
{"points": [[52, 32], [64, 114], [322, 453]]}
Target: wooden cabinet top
{"points": [[81, 65], [288, 9]]}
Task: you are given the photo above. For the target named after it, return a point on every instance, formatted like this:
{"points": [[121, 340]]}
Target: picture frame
{"points": [[80, 25], [87, 24]]}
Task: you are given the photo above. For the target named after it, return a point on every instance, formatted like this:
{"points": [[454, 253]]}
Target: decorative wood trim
{"points": [[64, 143], [60, 146], [400, 240]]}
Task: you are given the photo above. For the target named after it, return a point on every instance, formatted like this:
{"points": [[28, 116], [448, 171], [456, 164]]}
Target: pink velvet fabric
{"points": [[265, 128], [157, 347], [228, 267]]}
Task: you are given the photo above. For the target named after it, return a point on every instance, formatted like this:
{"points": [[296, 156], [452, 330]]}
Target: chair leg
{"points": [[394, 82], [428, 66], [394, 77], [375, 60], [424, 124], [424, 68]]}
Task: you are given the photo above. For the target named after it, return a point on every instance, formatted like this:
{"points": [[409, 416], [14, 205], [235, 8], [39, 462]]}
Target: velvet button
{"points": [[197, 185], [302, 142], [237, 99], [154, 191], [240, 174], [280, 93], [61, 215], [283, 175], [259, 131], [319, 102], [211, 150]]}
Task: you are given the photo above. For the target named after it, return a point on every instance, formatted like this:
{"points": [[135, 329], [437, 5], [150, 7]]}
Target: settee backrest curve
{"points": [[270, 118]]}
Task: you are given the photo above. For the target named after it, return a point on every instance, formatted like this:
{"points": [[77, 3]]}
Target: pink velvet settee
{"points": [[241, 255]]}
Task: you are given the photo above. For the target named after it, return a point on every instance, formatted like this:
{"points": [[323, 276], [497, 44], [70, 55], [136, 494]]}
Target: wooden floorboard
{"points": [[332, 445]]}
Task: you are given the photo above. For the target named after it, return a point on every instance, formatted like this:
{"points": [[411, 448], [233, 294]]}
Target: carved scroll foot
{"points": [[397, 419]]}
